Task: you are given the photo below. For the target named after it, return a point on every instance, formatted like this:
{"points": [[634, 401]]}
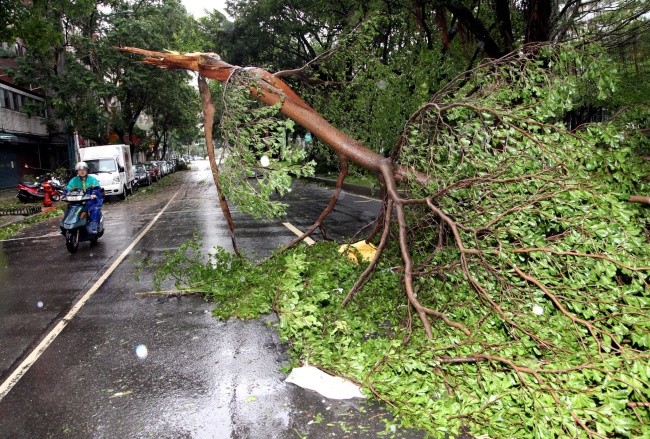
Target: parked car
{"points": [[154, 170], [142, 176], [163, 168]]}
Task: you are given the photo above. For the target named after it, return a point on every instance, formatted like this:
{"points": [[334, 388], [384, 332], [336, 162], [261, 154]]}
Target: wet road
{"points": [[129, 365]]}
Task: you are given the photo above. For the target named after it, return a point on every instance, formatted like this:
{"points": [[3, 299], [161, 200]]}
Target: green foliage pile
{"points": [[365, 343], [539, 252]]}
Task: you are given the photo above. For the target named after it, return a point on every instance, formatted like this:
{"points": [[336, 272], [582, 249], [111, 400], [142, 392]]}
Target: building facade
{"points": [[27, 148]]}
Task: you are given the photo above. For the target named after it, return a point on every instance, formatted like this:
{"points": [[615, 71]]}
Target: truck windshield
{"points": [[101, 165]]}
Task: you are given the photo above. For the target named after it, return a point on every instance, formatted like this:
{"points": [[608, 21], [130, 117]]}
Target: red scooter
{"points": [[29, 192]]}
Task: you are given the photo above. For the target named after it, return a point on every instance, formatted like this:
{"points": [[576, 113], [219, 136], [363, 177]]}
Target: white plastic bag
{"points": [[329, 386]]}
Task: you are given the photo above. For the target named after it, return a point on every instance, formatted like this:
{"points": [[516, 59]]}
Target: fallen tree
{"points": [[514, 232]]}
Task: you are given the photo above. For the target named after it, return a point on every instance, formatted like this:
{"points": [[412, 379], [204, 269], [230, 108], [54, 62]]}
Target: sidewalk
{"points": [[5, 220]]}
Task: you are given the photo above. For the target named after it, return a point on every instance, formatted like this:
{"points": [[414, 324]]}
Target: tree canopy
{"points": [[97, 91]]}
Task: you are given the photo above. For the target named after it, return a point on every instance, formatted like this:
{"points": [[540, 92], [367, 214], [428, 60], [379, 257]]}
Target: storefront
{"points": [[26, 157]]}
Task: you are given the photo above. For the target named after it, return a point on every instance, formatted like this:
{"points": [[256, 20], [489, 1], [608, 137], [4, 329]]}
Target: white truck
{"points": [[112, 166]]}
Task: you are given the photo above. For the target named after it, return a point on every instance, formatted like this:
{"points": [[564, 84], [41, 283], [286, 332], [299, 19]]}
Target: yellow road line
{"points": [[297, 232]]}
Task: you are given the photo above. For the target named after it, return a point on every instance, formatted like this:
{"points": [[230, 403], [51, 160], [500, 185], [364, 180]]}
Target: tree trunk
{"points": [[538, 27]]}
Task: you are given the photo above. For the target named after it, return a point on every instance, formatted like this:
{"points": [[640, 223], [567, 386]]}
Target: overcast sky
{"points": [[197, 7]]}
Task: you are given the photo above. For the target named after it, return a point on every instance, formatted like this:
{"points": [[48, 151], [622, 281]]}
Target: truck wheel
{"points": [[123, 194]]}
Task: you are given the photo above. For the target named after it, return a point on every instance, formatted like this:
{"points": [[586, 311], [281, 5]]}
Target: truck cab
{"points": [[107, 172], [111, 165]]}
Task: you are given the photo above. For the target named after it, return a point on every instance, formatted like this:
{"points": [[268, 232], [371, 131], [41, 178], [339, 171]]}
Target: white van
{"points": [[111, 165]]}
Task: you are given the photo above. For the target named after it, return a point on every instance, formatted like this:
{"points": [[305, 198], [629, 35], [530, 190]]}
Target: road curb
{"points": [[13, 219], [22, 210]]}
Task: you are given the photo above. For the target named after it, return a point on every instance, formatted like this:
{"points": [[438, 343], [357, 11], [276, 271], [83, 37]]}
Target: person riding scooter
{"points": [[89, 185]]}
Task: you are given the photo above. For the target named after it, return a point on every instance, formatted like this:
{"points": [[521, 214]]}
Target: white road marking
{"points": [[297, 231], [22, 369], [49, 235]]}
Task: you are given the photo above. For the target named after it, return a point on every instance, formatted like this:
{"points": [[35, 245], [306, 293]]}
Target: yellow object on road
{"points": [[366, 249]]}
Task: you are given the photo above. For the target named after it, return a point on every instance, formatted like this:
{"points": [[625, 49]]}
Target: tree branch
{"points": [[208, 115]]}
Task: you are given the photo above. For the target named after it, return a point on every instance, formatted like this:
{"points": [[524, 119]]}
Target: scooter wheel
{"points": [[72, 240], [56, 197]]}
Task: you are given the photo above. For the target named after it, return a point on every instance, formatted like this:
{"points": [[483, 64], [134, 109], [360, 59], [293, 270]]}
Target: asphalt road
{"points": [[84, 354]]}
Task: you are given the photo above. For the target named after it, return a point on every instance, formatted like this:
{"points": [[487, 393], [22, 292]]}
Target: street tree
{"points": [[96, 90], [11, 12], [171, 114], [356, 75]]}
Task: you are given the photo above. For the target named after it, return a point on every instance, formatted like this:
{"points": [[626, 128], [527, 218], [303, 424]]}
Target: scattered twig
{"points": [[170, 293], [640, 199]]}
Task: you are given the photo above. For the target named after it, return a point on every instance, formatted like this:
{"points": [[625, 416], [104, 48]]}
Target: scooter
{"points": [[75, 223], [57, 187], [29, 192]]}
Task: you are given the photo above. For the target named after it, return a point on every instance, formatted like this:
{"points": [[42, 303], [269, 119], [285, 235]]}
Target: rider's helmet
{"points": [[81, 165]]}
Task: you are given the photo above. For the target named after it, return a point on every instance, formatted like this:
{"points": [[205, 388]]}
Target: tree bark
{"points": [[502, 11], [538, 28], [208, 115], [640, 199], [474, 25]]}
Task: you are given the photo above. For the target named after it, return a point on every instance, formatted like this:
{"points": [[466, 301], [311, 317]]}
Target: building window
{"points": [[17, 101], [8, 100], [12, 100]]}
